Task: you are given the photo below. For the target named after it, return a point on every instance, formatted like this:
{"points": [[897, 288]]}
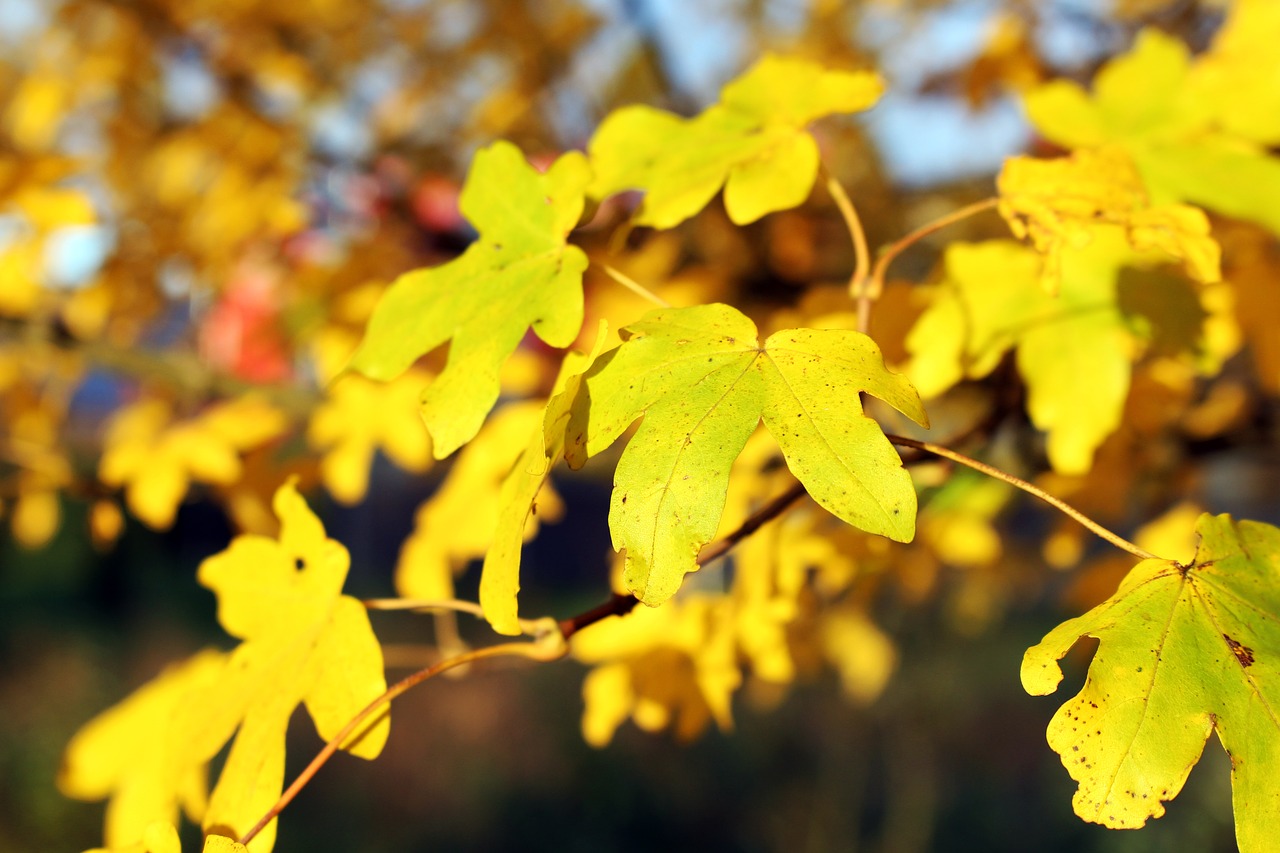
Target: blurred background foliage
{"points": [[200, 202]]}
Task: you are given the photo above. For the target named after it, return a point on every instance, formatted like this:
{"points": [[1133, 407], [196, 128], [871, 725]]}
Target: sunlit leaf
{"points": [[1184, 650], [522, 486], [702, 382], [753, 143], [1060, 204], [519, 274], [303, 643]]}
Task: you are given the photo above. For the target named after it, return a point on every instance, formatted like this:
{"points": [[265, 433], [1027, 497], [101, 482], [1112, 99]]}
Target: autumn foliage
{"points": [[650, 304]]}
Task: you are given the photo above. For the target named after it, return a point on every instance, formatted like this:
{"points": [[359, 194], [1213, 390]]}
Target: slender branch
{"points": [[530, 627], [538, 651], [861, 254], [634, 286], [890, 252], [1057, 503], [754, 522], [424, 605]]}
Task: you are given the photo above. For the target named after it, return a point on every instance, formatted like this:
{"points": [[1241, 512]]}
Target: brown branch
{"points": [[1057, 503], [887, 255]]}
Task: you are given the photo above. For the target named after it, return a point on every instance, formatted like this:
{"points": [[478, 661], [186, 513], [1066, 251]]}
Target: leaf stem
{"points": [[890, 252], [1057, 503], [426, 605], [858, 284], [634, 286], [539, 651]]}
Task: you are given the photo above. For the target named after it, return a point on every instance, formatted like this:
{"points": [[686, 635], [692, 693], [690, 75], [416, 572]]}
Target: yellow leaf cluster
{"points": [[155, 459], [1197, 128], [1060, 204], [33, 192], [671, 666]]}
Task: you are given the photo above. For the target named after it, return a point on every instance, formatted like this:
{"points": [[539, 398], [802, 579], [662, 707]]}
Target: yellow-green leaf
{"points": [[520, 490], [519, 274], [1075, 349], [303, 642], [702, 382], [753, 143], [1183, 651]]}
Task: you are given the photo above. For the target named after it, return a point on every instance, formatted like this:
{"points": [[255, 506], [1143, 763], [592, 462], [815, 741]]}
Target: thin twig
{"points": [[534, 651], [888, 253], [861, 254], [634, 286], [427, 605], [1057, 503], [754, 522]]}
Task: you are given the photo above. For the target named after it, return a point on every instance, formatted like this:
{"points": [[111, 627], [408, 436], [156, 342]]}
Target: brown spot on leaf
{"points": [[1243, 653]]}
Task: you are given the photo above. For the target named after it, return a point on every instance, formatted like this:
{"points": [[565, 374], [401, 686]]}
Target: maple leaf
{"points": [[520, 489], [1177, 123], [1061, 203], [136, 753], [518, 274], [702, 383], [1075, 349], [1184, 650], [303, 642], [458, 523], [753, 143]]}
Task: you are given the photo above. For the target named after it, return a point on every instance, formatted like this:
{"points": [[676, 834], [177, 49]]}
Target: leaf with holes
{"points": [[519, 274], [702, 382], [1183, 651]]}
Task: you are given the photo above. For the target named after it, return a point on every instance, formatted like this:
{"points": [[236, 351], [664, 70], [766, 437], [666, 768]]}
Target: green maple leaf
{"points": [[518, 274], [753, 143], [702, 382], [1183, 651], [1174, 117]]}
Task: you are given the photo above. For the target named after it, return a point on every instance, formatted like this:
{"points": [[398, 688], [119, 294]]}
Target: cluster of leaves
{"points": [[1136, 270]]}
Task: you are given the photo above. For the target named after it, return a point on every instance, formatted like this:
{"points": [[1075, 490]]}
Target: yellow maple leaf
{"points": [[137, 753], [303, 642], [155, 459], [1060, 204]]}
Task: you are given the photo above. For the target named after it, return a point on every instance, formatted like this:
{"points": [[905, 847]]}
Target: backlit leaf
{"points": [[1183, 651], [702, 382], [753, 143], [519, 274]]}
